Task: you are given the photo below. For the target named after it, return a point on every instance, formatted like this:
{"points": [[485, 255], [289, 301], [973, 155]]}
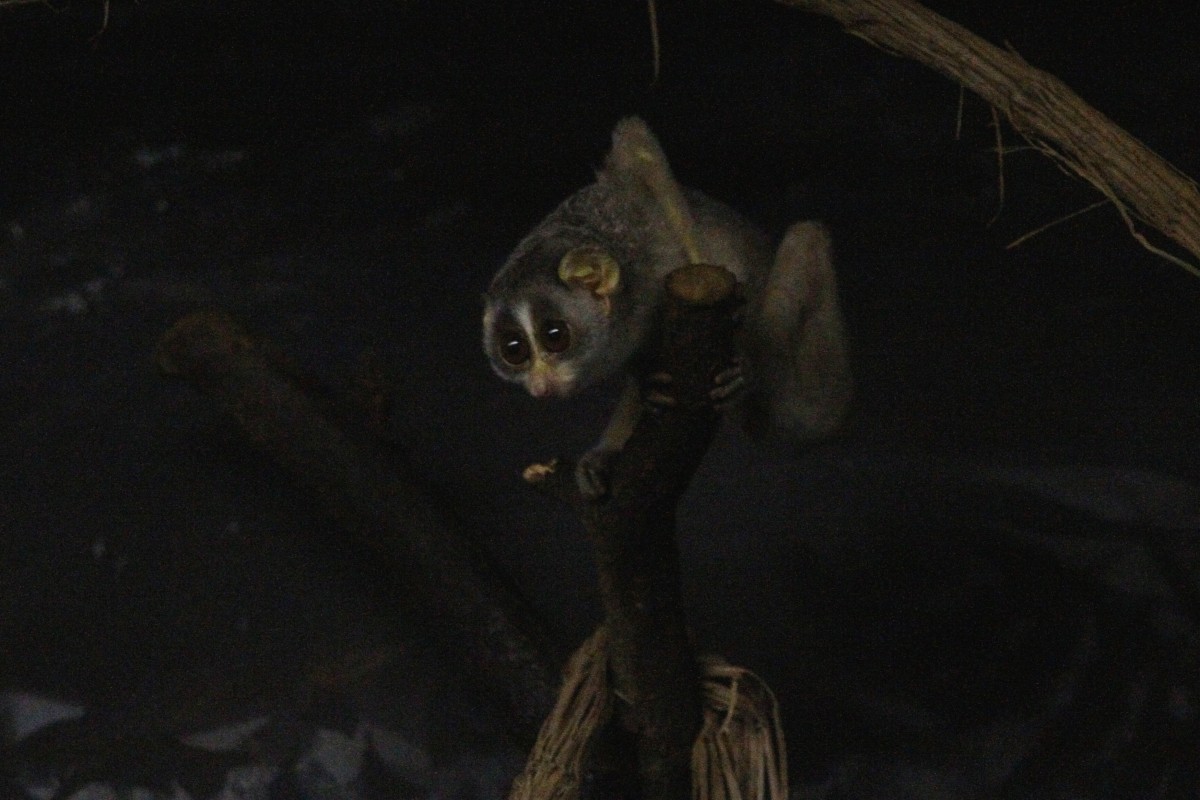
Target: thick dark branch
{"points": [[372, 499], [654, 671]]}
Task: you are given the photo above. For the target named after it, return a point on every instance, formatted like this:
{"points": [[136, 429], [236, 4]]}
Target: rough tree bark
{"points": [[653, 666], [489, 629], [1041, 108]]}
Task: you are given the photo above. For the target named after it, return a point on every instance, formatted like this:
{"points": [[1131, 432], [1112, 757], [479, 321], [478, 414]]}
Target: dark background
{"points": [[966, 594]]}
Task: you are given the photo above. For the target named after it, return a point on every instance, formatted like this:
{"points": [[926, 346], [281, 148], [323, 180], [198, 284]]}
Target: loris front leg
{"points": [[591, 473]]}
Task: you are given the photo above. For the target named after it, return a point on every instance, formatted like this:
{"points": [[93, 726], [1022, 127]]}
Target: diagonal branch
{"points": [[1043, 109], [378, 503]]}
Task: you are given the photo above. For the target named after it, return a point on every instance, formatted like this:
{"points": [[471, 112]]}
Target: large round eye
{"points": [[554, 335], [514, 349]]}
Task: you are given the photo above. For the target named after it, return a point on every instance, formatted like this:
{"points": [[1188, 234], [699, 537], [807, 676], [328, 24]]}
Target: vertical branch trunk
{"points": [[653, 667]]}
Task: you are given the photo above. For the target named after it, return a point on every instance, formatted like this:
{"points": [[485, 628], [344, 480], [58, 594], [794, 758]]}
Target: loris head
{"points": [[549, 318]]}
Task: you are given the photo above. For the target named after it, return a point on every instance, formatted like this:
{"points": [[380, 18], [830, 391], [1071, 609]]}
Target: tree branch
{"points": [[653, 667], [494, 632], [1041, 108]]}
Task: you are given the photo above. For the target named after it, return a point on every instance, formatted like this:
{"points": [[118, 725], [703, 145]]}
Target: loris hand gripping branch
{"points": [[577, 301]]}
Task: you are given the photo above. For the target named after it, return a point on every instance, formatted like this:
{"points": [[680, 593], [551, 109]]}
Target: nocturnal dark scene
{"points": [[631, 400]]}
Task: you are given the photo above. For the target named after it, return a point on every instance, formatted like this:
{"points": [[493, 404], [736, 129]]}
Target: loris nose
{"points": [[538, 382], [541, 381]]}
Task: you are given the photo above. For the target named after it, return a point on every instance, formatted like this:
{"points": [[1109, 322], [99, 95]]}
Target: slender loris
{"points": [[578, 299]]}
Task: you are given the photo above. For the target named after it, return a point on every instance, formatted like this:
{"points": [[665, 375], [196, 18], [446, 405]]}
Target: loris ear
{"points": [[636, 153], [637, 163], [593, 269]]}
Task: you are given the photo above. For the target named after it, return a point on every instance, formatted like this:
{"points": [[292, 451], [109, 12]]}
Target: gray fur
{"points": [[794, 341]]}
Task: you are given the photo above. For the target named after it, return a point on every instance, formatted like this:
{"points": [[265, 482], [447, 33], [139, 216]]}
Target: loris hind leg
{"points": [[796, 342]]}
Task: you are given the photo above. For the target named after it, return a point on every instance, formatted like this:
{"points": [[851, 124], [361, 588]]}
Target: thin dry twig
{"points": [[1020, 240], [958, 116], [655, 43], [1142, 185], [999, 166]]}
